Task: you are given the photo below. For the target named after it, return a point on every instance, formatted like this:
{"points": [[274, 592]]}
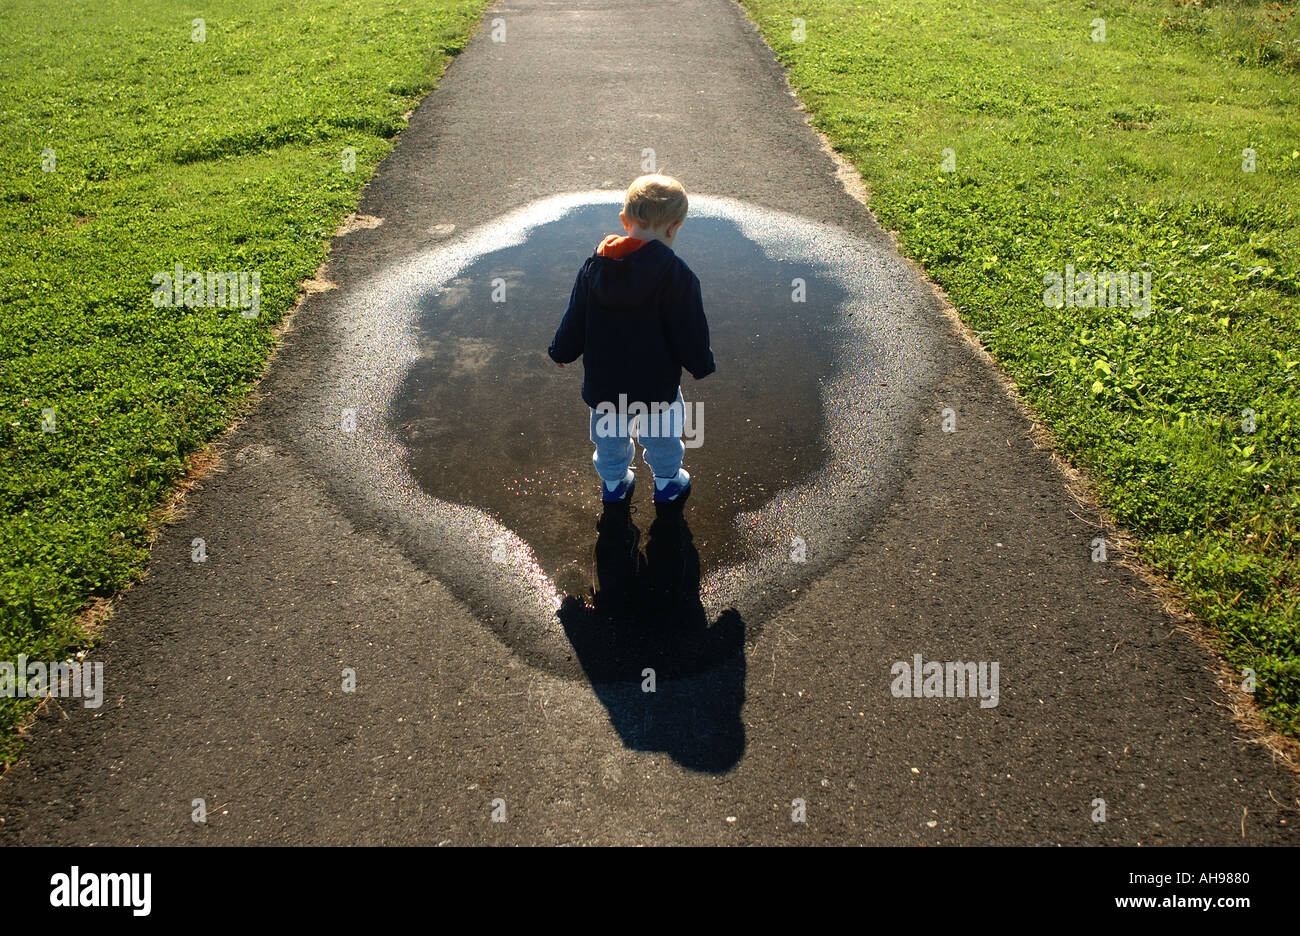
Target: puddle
{"points": [[440, 422], [490, 421]]}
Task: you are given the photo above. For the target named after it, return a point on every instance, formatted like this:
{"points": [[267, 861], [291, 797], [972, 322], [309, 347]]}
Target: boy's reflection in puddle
{"points": [[671, 681]]}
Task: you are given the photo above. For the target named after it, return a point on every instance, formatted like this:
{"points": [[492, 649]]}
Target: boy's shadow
{"points": [[671, 681]]}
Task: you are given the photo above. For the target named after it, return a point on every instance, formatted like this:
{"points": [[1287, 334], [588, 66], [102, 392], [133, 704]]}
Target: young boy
{"points": [[636, 319]]}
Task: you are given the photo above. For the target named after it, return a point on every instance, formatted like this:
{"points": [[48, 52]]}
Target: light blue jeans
{"points": [[659, 431]]}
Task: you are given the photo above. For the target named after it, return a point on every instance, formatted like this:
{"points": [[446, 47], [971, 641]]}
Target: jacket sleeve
{"points": [[567, 345], [688, 331]]}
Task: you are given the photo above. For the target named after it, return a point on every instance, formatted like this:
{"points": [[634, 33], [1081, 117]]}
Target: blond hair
{"points": [[656, 200]]}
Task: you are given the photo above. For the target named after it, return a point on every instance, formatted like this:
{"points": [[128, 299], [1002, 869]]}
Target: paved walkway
{"points": [[224, 678]]}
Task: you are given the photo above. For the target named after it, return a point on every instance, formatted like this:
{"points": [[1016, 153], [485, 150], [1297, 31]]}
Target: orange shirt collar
{"points": [[618, 246]]}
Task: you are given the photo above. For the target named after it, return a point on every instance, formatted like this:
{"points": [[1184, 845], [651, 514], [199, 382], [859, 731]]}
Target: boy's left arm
{"points": [[567, 345], [690, 333]]}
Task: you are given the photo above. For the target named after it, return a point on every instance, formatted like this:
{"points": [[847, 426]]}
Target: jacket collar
{"points": [[618, 246]]}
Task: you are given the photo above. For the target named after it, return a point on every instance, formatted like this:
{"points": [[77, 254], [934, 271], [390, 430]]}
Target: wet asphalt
{"points": [[225, 678]]}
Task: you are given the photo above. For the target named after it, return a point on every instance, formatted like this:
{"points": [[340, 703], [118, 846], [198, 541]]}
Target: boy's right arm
{"points": [[567, 345]]}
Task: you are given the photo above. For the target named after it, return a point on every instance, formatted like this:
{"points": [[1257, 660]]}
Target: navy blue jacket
{"points": [[635, 320]]}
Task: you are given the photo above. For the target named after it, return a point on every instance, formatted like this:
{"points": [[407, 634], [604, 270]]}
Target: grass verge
{"points": [[1004, 142], [138, 137]]}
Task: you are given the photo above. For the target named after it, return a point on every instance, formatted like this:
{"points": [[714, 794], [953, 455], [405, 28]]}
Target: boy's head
{"points": [[656, 204]]}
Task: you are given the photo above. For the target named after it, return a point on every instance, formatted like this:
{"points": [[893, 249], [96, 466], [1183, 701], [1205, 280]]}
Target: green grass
{"points": [[222, 155], [1124, 154]]}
